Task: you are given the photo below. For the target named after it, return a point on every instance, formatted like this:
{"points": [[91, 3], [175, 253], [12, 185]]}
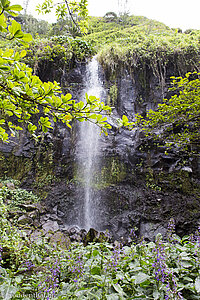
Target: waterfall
{"points": [[88, 153]]}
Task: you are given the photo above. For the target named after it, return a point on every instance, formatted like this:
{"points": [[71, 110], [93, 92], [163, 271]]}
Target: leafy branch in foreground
{"points": [[23, 95], [177, 120], [13, 31]]}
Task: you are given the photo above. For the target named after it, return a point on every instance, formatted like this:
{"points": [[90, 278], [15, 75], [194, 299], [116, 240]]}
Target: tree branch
{"points": [[71, 110], [71, 15]]}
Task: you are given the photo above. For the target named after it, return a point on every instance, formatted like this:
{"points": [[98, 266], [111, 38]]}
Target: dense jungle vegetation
{"points": [[44, 267], [34, 266]]}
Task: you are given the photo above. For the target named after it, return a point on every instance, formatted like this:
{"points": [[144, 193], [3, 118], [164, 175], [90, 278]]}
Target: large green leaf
{"points": [[2, 22], [8, 291], [197, 284], [112, 297], [4, 68], [96, 270], [4, 3], [156, 295], [14, 27], [141, 277], [118, 288], [15, 7]]}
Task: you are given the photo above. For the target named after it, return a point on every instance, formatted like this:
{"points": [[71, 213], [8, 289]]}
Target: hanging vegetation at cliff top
{"points": [[147, 44]]}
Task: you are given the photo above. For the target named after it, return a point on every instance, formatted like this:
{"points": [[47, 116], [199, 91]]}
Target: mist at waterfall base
{"points": [[88, 156]]}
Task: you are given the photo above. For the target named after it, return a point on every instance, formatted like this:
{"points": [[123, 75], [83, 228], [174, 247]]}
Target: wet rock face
{"points": [[138, 184]]}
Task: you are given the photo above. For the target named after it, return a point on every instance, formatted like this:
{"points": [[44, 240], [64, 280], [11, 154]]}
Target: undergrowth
{"points": [[34, 268]]}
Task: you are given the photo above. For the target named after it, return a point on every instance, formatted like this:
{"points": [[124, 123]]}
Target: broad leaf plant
{"points": [[23, 95]]}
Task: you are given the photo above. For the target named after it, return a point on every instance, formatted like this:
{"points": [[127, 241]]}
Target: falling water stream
{"points": [[88, 151]]}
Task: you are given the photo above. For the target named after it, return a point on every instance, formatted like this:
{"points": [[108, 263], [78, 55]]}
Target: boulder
{"points": [[50, 226], [25, 220]]}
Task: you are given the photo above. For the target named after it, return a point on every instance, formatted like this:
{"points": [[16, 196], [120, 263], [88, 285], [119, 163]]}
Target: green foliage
{"points": [[112, 96], [62, 51], [134, 48], [97, 25], [23, 95], [61, 47], [65, 27], [177, 120], [13, 31], [33, 267], [45, 52], [33, 26], [81, 48], [104, 33], [76, 10], [124, 122], [141, 44], [110, 17], [15, 197]]}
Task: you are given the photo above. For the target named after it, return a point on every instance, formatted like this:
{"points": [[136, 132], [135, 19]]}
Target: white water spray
{"points": [[88, 151]]}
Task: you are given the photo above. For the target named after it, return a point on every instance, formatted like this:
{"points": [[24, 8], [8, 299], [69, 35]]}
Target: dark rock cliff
{"points": [[139, 184]]}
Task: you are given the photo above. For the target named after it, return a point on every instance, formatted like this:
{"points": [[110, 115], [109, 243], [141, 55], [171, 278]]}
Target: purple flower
{"points": [[76, 267], [113, 263], [133, 234], [159, 263], [50, 282], [171, 230], [172, 292]]}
